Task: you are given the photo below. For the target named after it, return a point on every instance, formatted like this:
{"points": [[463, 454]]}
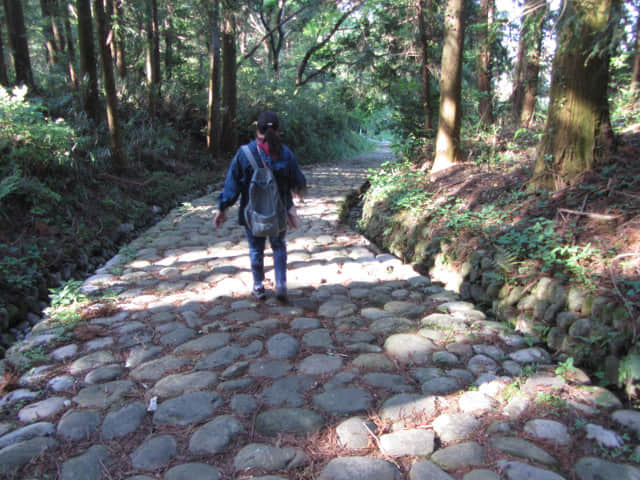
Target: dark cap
{"points": [[268, 120]]}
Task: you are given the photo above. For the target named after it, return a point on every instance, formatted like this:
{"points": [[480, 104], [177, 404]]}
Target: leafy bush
{"points": [[314, 124], [29, 138]]}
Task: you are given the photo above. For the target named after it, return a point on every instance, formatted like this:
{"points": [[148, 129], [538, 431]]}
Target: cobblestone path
{"points": [[370, 372]]}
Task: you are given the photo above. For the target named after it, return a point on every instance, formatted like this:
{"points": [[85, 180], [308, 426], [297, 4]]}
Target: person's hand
{"points": [[220, 218]]}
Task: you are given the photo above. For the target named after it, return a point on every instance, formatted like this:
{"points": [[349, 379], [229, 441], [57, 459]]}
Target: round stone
{"points": [[78, 425], [192, 471], [360, 468], [124, 421], [155, 452], [319, 364], [283, 346], [215, 436], [187, 409], [288, 420], [355, 433], [342, 401]]}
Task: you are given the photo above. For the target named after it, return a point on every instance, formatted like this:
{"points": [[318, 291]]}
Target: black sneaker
{"points": [[281, 294], [259, 293]]}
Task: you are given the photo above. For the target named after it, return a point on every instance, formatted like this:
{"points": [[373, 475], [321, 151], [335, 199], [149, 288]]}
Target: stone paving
{"points": [[371, 371]]}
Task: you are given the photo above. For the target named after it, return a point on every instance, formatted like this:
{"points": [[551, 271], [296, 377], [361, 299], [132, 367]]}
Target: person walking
{"points": [[268, 148]]}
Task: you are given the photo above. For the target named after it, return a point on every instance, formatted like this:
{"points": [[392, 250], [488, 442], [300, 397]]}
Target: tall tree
{"points": [[424, 8], [117, 40], [635, 70], [578, 134], [525, 92], [88, 68], [18, 42], [109, 85], [4, 77], [153, 55], [51, 30], [213, 117], [69, 45], [229, 83], [448, 137], [486, 14]]}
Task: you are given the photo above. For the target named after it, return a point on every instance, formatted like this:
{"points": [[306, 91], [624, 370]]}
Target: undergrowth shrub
{"points": [[31, 140], [313, 123]]}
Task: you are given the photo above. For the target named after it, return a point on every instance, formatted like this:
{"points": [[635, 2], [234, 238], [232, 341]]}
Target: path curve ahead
{"points": [[370, 372]]}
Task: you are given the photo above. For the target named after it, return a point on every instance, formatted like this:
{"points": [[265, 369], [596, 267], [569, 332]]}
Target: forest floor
{"points": [[600, 214]]}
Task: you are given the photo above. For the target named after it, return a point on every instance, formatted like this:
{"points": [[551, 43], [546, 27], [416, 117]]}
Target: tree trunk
{"points": [[109, 86], [525, 92], [4, 77], [635, 72], [213, 117], [18, 43], [448, 138], [118, 42], [50, 30], [424, 64], [578, 135], [169, 35], [70, 46], [88, 68], [229, 141], [153, 56], [484, 61]]}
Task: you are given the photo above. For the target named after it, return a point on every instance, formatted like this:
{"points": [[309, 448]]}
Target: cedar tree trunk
{"points": [[109, 86], [578, 135], [17, 34], [424, 63], [229, 88], [448, 138], [213, 117], [484, 61], [88, 68], [525, 90]]}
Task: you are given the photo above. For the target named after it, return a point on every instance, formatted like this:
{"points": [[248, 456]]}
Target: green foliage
{"points": [[565, 367], [20, 267], [314, 124], [67, 294], [31, 139], [629, 373]]}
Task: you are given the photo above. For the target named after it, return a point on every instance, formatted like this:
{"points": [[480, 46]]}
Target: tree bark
{"points": [[51, 32], [424, 63], [70, 46], [118, 42], [169, 36], [229, 140], [213, 116], [18, 43], [153, 56], [109, 86], [525, 92], [635, 71], [88, 68], [4, 76], [448, 138], [485, 109], [578, 135]]}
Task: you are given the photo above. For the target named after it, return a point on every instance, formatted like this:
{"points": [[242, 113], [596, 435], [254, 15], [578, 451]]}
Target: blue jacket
{"points": [[285, 168]]}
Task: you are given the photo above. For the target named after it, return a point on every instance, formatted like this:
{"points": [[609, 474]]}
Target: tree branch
{"points": [[303, 64], [250, 53]]}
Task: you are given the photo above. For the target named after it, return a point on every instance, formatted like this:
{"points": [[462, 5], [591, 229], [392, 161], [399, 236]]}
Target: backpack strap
{"points": [[252, 160]]}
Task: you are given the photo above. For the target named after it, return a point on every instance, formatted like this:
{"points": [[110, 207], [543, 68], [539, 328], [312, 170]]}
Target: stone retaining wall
{"points": [[572, 322]]}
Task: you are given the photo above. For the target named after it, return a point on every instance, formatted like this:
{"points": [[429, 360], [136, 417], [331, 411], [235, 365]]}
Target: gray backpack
{"points": [[265, 214]]}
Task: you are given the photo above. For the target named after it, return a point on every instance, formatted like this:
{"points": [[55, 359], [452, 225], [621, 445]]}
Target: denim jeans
{"points": [[256, 256]]}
